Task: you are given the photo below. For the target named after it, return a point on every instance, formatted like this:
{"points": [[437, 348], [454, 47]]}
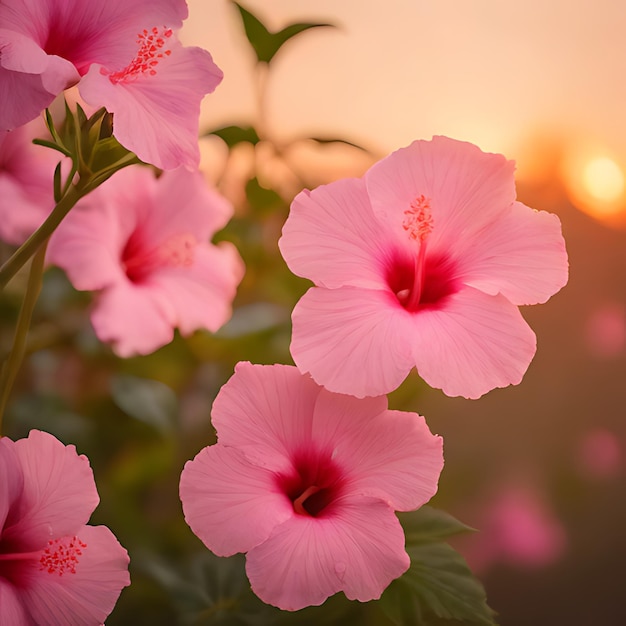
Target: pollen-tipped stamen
{"points": [[418, 223], [298, 503], [151, 43]]}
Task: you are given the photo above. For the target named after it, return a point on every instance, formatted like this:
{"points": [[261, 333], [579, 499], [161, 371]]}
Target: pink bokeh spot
{"points": [[605, 331], [124, 55], [600, 454], [421, 263], [53, 568], [518, 528], [306, 482], [143, 244]]}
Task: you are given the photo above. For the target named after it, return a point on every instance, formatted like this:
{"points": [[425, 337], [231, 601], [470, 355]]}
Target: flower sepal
{"points": [[89, 143]]}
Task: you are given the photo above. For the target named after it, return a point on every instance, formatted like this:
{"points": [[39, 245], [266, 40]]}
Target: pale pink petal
{"points": [[467, 189], [89, 242], [353, 341], [156, 117], [86, 596], [520, 255], [472, 344], [201, 209], [332, 237], [229, 503], [391, 455], [135, 319], [29, 79], [59, 492], [12, 611], [11, 479], [201, 294], [255, 412], [359, 550], [26, 173]]}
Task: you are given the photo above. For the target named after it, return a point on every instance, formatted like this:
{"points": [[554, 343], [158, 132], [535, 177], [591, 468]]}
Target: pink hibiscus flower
{"points": [[53, 568], [422, 262], [26, 173], [143, 244], [125, 54], [306, 482]]}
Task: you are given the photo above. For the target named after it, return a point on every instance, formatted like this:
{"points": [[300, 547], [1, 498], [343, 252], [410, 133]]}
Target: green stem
{"points": [[14, 360], [33, 243]]}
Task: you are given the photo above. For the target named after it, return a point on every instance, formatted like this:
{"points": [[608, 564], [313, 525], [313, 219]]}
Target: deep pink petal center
{"points": [[421, 281], [314, 484], [140, 260]]}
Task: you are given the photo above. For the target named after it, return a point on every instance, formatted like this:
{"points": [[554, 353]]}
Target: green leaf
{"points": [[56, 183], [438, 586], [261, 199], [149, 401], [54, 146], [265, 43], [324, 140], [232, 135], [428, 525]]}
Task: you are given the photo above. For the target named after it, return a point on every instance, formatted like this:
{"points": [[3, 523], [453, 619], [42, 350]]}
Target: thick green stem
{"points": [[33, 243], [14, 360]]}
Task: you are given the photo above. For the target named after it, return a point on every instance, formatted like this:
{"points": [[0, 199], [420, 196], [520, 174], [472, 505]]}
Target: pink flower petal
{"points": [[26, 173], [213, 278], [201, 209], [156, 116], [13, 612], [50, 505], [521, 255], [360, 550], [29, 79], [86, 32], [89, 242], [473, 344], [467, 189], [135, 319], [11, 479], [255, 410], [337, 219], [391, 455], [229, 503], [85, 596], [352, 341]]}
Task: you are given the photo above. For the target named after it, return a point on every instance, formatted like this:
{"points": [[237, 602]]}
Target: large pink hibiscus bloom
{"points": [[53, 568], [422, 262], [306, 482], [143, 243], [127, 58]]}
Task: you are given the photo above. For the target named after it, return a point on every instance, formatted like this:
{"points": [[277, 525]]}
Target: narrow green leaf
{"points": [[54, 146], [427, 525], [323, 140], [232, 135], [56, 181], [437, 586], [265, 43]]}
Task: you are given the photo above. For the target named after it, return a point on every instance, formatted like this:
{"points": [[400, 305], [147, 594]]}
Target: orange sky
{"points": [[494, 72]]}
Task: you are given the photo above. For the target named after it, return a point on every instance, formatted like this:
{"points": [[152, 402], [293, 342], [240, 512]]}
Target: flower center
{"points": [[61, 556], [139, 262], [151, 51], [418, 223], [314, 485]]}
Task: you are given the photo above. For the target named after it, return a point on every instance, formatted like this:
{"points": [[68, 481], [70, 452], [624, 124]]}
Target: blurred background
{"points": [[537, 468]]}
